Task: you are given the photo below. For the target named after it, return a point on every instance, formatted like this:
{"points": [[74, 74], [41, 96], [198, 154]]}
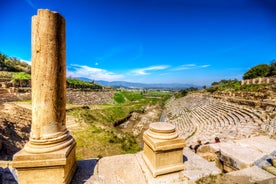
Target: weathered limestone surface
{"points": [[243, 153], [49, 156], [44, 168], [196, 167], [163, 149], [118, 169], [131, 168], [255, 175], [262, 143]]}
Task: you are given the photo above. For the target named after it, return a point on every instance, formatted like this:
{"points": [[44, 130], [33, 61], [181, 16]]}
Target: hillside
{"points": [[136, 85], [11, 64], [110, 121]]}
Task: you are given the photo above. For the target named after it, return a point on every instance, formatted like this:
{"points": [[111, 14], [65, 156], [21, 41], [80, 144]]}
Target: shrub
{"points": [[272, 70], [21, 76], [261, 70], [119, 98]]}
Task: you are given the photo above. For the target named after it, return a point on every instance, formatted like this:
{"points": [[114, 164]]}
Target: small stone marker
{"points": [[163, 149]]}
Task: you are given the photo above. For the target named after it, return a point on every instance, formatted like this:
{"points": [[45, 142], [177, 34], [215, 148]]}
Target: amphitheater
{"points": [[199, 116]]}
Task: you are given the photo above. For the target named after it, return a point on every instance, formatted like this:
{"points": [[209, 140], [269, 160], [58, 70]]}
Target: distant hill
{"points": [[133, 85]]}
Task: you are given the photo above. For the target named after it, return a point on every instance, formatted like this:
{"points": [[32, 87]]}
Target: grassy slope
{"points": [[98, 136]]}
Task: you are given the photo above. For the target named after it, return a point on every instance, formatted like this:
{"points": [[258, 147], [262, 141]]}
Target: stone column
{"points": [[49, 142], [48, 83]]}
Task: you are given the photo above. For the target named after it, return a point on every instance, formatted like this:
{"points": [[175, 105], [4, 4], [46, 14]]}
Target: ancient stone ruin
{"points": [[163, 149], [260, 80], [49, 156]]}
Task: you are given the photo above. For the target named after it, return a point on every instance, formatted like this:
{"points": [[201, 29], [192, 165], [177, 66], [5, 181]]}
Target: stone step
{"points": [[255, 175]]}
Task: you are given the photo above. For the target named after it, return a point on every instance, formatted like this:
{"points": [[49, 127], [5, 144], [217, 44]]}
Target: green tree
{"points": [[2, 57], [272, 70], [215, 83], [261, 70]]}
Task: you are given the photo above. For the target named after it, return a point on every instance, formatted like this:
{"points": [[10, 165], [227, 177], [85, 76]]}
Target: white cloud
{"points": [[145, 71], [92, 73], [190, 67], [31, 4], [181, 68], [26, 61], [204, 66]]}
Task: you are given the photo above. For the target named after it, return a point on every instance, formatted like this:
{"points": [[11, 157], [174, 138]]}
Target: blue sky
{"points": [[151, 41]]}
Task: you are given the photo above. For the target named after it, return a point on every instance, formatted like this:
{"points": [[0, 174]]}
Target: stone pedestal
{"points": [[49, 156], [56, 167], [163, 149]]}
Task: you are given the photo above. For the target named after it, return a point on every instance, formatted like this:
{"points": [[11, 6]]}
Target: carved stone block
{"points": [[163, 149], [54, 167]]}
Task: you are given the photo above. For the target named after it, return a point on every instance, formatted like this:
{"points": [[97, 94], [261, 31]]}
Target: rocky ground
{"points": [[139, 122], [15, 124], [89, 97]]}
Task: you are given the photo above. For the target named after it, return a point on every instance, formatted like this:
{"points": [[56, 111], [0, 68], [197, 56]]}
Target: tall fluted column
{"points": [[48, 131], [48, 75], [51, 149]]}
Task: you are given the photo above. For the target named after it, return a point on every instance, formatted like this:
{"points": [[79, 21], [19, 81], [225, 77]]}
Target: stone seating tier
{"points": [[205, 116]]}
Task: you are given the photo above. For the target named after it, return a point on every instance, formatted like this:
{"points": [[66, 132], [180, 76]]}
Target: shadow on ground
{"points": [[6, 176], [84, 171]]}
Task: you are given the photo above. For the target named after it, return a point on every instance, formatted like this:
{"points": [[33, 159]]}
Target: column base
{"points": [[163, 149], [163, 162], [162, 170], [44, 168]]}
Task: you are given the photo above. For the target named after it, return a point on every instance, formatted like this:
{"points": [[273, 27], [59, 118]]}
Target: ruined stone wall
{"points": [[260, 80], [89, 97], [16, 84], [72, 96]]}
